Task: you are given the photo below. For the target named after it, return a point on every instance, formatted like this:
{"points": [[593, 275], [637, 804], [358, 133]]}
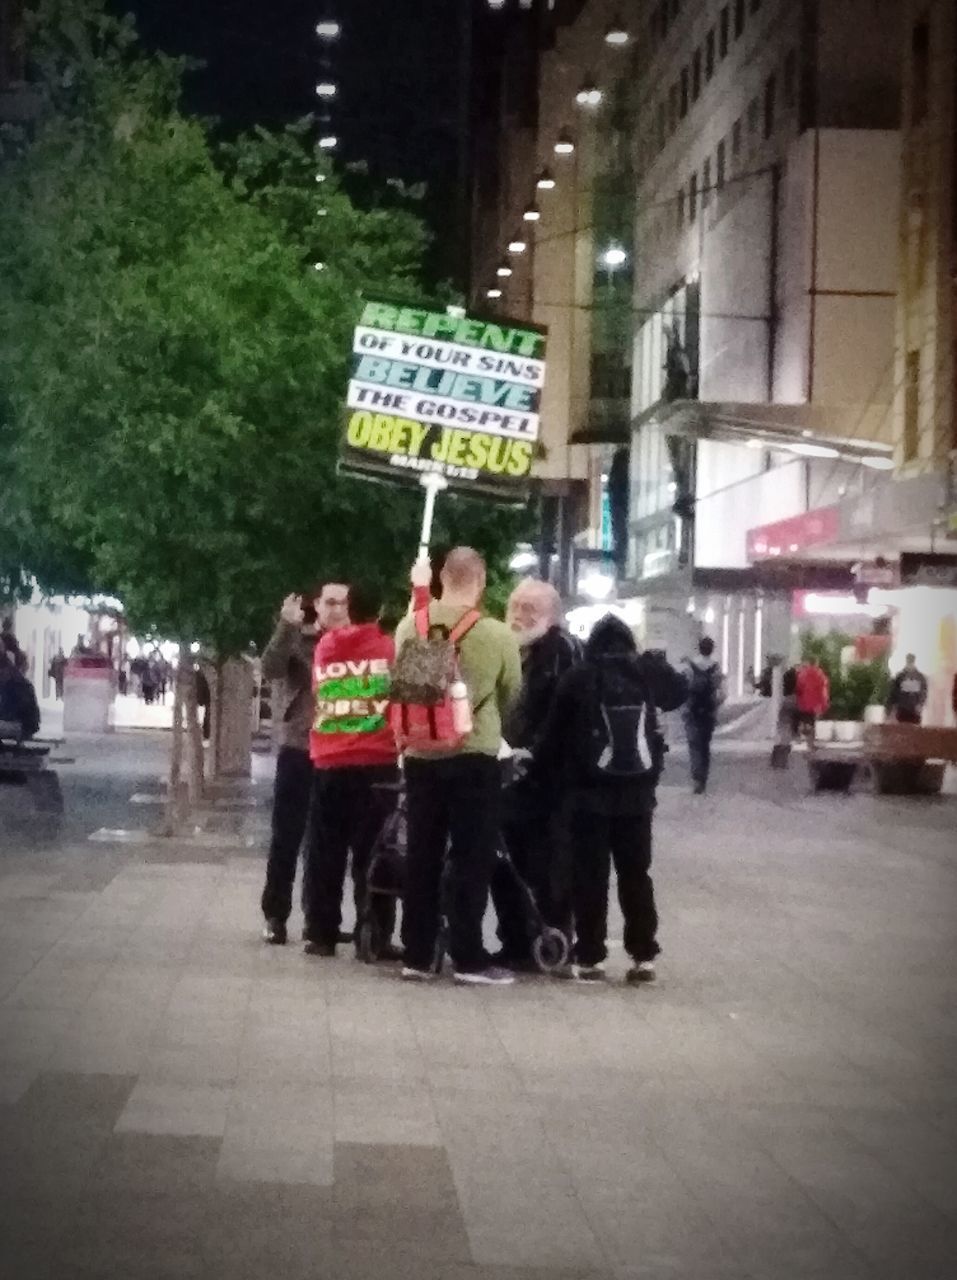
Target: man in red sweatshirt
{"points": [[353, 751]]}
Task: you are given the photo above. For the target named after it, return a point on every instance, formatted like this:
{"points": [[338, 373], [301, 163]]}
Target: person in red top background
{"points": [[812, 695], [353, 751]]}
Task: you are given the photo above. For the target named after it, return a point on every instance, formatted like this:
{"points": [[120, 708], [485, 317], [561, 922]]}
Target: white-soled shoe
{"points": [[642, 972], [493, 976]]}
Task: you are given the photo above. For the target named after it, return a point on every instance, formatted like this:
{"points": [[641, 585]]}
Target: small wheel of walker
{"points": [[365, 943], [550, 950]]}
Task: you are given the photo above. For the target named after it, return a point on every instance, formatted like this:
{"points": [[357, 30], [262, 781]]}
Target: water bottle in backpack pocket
{"points": [[430, 708]]}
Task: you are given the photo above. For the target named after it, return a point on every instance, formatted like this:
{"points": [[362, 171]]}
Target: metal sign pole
{"points": [[433, 484]]}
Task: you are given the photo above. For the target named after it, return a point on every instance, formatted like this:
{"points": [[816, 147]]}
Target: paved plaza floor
{"points": [[178, 1100]]}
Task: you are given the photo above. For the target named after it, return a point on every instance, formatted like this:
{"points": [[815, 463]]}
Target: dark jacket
{"points": [[908, 693], [288, 657], [18, 700], [610, 647], [544, 662]]}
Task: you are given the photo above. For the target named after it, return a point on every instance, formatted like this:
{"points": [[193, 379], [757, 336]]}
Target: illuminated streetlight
{"points": [[545, 181], [328, 142], [614, 257], [318, 266], [493, 293], [617, 34], [328, 29], [531, 214], [504, 271], [589, 95], [564, 145], [517, 246], [326, 89]]}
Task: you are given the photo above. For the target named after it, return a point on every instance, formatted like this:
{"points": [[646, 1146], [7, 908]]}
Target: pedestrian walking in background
{"points": [[534, 831], [908, 693], [454, 792], [602, 742], [706, 693], [149, 682], [288, 657], [812, 695], [354, 754], [58, 672]]}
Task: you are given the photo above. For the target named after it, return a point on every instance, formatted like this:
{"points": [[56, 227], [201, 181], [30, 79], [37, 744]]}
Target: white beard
{"points": [[529, 636]]}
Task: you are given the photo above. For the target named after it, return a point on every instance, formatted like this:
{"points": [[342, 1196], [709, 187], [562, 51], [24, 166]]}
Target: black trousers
{"points": [[597, 841], [290, 809], [699, 735], [347, 814], [452, 804], [537, 845]]}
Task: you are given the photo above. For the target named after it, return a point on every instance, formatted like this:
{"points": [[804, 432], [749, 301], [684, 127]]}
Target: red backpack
{"points": [[423, 713]]}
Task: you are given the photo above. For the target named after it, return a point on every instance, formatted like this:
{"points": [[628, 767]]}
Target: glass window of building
{"points": [[721, 160], [693, 197]]}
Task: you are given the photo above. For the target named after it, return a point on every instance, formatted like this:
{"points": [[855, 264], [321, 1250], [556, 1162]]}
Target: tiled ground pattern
{"points": [[178, 1101]]}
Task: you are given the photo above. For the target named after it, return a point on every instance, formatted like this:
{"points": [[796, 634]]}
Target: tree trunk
{"points": [[175, 811], [194, 738]]}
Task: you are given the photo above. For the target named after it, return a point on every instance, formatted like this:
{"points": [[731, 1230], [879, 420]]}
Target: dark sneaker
{"points": [[417, 975], [493, 976], [274, 932], [641, 973], [590, 972], [325, 949], [389, 953]]}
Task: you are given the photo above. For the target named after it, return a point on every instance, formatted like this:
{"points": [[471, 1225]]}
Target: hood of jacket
{"points": [[610, 638], [346, 641]]}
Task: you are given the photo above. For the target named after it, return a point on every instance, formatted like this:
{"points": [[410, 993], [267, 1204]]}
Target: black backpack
{"points": [[703, 685], [621, 738]]}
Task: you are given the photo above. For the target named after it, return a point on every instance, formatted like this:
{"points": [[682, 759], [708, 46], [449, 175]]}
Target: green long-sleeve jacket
{"points": [[491, 668]]}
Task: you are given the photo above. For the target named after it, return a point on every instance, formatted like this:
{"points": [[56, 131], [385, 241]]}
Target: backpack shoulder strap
{"points": [[464, 626], [422, 622]]}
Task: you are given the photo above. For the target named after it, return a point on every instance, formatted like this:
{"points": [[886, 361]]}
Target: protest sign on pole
{"points": [[443, 400]]}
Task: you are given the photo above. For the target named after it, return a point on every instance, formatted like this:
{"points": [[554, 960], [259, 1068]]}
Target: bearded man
{"points": [[533, 828]]}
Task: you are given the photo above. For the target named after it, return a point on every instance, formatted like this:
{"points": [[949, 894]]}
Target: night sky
{"points": [[397, 64]]}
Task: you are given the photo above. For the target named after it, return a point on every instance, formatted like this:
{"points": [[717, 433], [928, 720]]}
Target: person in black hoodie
{"points": [[603, 742]]}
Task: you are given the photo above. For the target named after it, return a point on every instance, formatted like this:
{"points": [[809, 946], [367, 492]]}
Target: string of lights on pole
{"points": [[589, 97], [328, 31]]}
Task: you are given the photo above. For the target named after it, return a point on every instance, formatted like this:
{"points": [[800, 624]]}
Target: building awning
{"points": [[809, 431], [608, 422]]}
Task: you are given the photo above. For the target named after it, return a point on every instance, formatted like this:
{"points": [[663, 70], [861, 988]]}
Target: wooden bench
{"points": [[909, 759], [24, 764]]}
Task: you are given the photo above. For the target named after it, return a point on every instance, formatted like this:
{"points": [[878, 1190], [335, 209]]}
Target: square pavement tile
{"points": [[197, 1110]]}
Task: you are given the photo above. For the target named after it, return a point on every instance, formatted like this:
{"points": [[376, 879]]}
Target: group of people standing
{"points": [[583, 734]]}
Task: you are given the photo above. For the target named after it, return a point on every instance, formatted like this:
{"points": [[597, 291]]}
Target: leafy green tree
{"points": [[173, 363]]}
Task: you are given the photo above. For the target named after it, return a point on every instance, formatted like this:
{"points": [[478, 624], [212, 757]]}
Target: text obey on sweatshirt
{"points": [[352, 696]]}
